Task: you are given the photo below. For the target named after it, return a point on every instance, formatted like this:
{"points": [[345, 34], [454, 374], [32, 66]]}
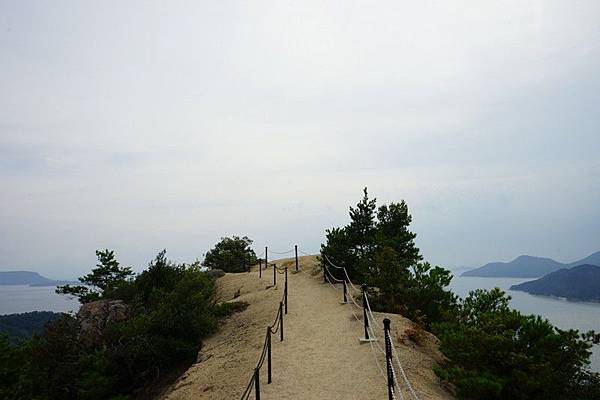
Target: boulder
{"points": [[215, 273], [93, 318]]}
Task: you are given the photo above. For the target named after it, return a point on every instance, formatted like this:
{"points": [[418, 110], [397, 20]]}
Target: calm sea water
{"points": [[23, 298], [562, 313]]}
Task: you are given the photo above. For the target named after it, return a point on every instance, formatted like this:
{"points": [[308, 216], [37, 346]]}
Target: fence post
{"points": [[388, 358], [266, 257], [260, 267], [281, 320], [257, 383], [345, 292], [274, 274], [268, 355], [296, 250], [285, 294], [366, 320]]}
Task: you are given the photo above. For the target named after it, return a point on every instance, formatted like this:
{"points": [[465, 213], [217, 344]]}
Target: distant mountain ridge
{"points": [[577, 283], [528, 267], [30, 278]]}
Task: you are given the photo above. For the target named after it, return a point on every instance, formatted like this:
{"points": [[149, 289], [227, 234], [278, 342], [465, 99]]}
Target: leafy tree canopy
{"points": [[495, 352], [106, 278], [231, 255], [377, 248]]}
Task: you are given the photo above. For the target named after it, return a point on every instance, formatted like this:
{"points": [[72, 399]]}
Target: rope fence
{"points": [[273, 329], [390, 352], [350, 293]]}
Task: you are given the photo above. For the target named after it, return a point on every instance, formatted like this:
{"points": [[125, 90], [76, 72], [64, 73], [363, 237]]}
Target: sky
{"points": [[138, 126]]}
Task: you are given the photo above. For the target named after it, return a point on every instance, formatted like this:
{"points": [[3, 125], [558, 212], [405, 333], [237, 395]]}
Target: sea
{"points": [[564, 314], [24, 298]]}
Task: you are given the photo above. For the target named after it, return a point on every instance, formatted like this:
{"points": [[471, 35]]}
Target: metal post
{"points": [[388, 358], [364, 293], [285, 294], [266, 257], [345, 292], [296, 249], [281, 320], [274, 274], [260, 267], [268, 355], [257, 383]]}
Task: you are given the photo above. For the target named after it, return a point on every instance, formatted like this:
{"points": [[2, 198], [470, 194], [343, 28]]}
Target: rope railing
{"points": [[392, 359], [393, 386], [273, 329]]}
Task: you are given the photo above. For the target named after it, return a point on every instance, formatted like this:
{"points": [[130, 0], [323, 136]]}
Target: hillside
{"points": [[528, 267], [578, 283], [25, 325], [27, 278], [321, 356]]}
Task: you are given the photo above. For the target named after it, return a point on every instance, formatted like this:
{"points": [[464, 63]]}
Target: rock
{"points": [[93, 318], [216, 273]]}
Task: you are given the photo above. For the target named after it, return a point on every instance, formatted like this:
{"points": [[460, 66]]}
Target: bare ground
{"points": [[321, 356]]}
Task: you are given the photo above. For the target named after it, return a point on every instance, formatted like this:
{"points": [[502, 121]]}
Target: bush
{"points": [[173, 309], [378, 249], [231, 255], [495, 352]]}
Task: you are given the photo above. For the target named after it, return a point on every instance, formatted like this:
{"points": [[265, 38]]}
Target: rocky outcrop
{"points": [[95, 316], [215, 273]]}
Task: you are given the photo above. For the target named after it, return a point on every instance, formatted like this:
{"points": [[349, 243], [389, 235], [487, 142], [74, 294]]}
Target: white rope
{"points": [[410, 388], [383, 374], [371, 313], [331, 276], [332, 264], [281, 252], [397, 385], [306, 254]]}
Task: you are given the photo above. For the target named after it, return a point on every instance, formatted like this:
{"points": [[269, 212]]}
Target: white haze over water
{"points": [[144, 125]]}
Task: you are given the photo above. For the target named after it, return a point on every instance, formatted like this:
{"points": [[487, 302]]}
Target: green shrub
{"points": [[495, 352]]}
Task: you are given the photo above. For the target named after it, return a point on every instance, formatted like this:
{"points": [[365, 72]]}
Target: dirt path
{"points": [[321, 356]]}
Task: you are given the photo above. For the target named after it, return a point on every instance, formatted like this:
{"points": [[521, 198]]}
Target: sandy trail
{"points": [[321, 356]]}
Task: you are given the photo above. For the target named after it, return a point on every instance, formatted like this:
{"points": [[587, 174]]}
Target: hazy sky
{"points": [[147, 125]]}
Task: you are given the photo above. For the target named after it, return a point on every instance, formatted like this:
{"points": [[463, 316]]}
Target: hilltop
{"points": [[578, 283], [321, 356], [528, 267], [27, 278]]}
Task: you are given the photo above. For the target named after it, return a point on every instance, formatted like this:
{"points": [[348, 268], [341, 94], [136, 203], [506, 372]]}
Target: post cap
{"points": [[364, 286], [386, 323]]}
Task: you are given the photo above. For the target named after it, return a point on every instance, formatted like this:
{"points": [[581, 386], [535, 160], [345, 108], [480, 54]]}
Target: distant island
{"points": [[8, 278], [580, 283], [528, 267]]}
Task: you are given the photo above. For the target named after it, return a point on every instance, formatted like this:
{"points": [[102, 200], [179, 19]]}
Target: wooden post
{"points": [[296, 250], [269, 355], [257, 383], [388, 358], [365, 317], [281, 320], [285, 293]]}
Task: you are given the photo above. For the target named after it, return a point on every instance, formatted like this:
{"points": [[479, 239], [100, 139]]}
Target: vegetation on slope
{"points": [[493, 352], [578, 283], [172, 309], [378, 249], [25, 325]]}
